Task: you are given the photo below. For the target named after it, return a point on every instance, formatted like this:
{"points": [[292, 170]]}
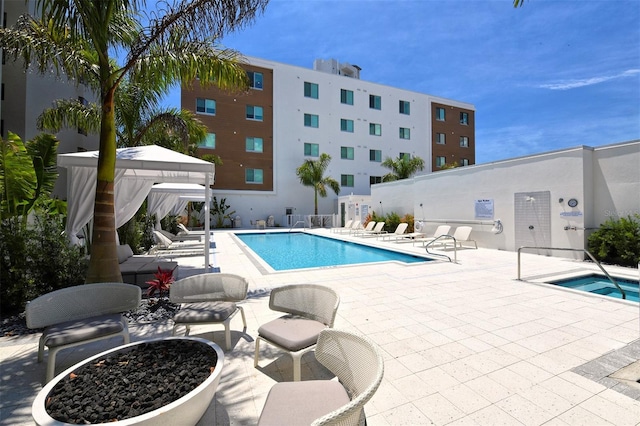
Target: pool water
{"points": [[296, 250], [600, 284]]}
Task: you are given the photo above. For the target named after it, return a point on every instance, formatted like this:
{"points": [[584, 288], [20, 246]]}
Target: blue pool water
{"points": [[600, 284], [296, 250]]}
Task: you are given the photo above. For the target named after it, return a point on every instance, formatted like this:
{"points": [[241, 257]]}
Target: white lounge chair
{"points": [[346, 227], [367, 228], [376, 231], [460, 236], [398, 233], [180, 236], [422, 238]]}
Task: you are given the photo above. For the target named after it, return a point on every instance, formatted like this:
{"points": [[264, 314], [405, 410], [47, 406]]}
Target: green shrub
{"points": [[617, 241], [35, 261], [392, 220]]}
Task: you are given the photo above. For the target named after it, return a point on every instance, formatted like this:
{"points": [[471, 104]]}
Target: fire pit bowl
{"points": [[186, 410]]}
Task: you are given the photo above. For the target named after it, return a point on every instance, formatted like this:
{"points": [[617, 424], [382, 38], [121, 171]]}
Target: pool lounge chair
{"points": [[422, 238], [375, 232], [340, 229], [165, 243], [180, 236], [398, 233], [367, 228], [460, 236]]}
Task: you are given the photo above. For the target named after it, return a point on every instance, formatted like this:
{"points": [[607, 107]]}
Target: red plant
{"points": [[164, 278]]}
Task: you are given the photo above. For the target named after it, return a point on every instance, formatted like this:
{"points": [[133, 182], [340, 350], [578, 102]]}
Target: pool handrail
{"points": [[455, 250], [624, 295]]}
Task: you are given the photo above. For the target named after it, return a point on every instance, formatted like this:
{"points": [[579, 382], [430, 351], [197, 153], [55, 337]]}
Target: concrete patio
{"points": [[464, 344]]}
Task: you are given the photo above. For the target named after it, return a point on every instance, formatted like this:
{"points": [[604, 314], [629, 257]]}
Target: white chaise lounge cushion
{"points": [[300, 403], [292, 332]]}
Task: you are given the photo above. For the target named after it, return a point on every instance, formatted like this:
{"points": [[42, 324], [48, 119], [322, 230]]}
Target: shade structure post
{"points": [[207, 220]]}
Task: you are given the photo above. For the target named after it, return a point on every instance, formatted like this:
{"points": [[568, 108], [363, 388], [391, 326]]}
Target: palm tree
{"points": [[140, 120], [402, 167], [176, 43], [311, 173]]}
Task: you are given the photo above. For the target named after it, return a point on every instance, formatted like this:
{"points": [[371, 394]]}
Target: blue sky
{"points": [[551, 75]]}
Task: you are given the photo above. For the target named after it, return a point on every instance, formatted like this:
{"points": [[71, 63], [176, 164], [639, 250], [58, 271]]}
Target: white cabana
{"points": [[137, 170], [172, 198]]}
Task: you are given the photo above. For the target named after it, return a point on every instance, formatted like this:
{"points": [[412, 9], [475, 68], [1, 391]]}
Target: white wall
{"points": [[605, 181]]}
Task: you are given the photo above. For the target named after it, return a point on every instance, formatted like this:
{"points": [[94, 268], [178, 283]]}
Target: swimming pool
{"points": [[296, 250], [600, 284]]}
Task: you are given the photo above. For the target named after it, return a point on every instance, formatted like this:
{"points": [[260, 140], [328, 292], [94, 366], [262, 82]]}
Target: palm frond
{"points": [[69, 113]]}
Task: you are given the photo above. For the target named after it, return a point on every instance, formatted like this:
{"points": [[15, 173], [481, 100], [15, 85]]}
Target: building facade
{"points": [[26, 94], [291, 114]]}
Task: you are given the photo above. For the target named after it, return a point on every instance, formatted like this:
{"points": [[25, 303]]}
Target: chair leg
{"points": [[41, 349], [296, 365], [244, 319], [51, 364], [255, 357], [227, 334]]}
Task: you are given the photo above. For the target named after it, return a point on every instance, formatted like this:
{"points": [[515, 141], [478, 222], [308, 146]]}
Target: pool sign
{"points": [[484, 209]]}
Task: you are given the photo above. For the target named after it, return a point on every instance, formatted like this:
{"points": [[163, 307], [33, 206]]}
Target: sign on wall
{"points": [[484, 209]]}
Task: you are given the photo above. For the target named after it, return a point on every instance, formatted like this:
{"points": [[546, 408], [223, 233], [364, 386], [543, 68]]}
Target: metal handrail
{"points": [[455, 248], [297, 222], [613, 281]]}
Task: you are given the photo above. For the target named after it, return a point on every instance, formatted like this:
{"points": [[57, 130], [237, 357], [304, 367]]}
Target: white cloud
{"points": [[573, 84]]}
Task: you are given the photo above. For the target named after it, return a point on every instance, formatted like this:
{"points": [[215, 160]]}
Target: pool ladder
{"points": [[624, 295]]}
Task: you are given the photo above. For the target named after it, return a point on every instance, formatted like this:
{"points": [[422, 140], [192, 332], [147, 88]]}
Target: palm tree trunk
{"points": [[103, 265]]}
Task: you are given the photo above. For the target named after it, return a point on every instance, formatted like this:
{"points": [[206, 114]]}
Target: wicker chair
{"points": [[209, 299], [310, 308], [358, 365], [79, 315]]}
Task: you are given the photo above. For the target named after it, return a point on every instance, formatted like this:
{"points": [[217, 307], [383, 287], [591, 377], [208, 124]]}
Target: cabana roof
{"points": [[147, 162]]}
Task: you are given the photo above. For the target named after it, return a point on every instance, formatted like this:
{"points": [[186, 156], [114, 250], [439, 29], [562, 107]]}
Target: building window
{"points": [[375, 129], [254, 113], [311, 120], [375, 155], [405, 133], [311, 149], [464, 118], [346, 125], [375, 179], [310, 90], [375, 102], [346, 96], [209, 141], [441, 161], [441, 138], [405, 107], [253, 144], [405, 156], [346, 180], [346, 152], [253, 176], [205, 106], [255, 80], [464, 162], [440, 114], [464, 141]]}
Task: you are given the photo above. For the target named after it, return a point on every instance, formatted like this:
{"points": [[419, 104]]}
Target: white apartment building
{"points": [[292, 114]]}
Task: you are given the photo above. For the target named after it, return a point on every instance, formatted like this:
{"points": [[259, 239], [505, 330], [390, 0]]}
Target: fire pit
{"points": [[139, 383]]}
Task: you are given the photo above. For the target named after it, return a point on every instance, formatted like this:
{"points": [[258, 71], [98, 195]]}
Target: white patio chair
{"points": [[359, 367], [209, 299], [309, 308]]}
